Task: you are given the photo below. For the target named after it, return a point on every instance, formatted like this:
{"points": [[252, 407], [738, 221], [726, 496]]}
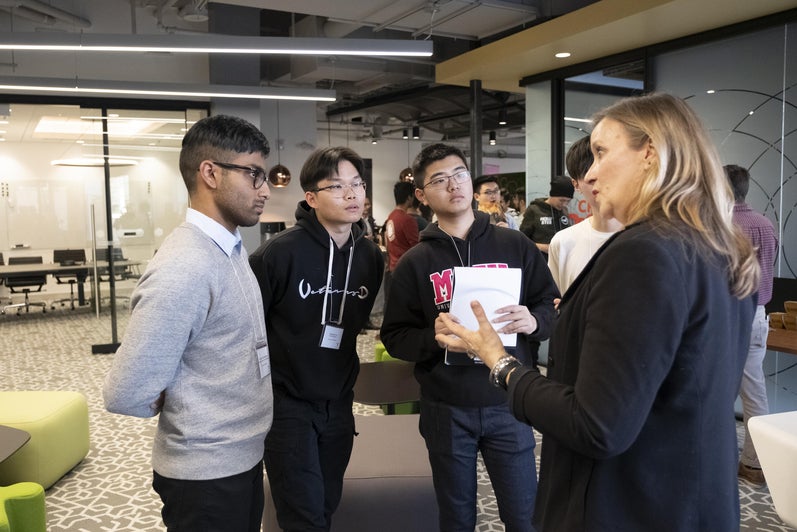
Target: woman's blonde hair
{"points": [[686, 189]]}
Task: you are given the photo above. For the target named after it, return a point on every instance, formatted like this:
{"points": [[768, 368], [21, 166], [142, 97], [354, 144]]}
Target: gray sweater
{"points": [[196, 322]]}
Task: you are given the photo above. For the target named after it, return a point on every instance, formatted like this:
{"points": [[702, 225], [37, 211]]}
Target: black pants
{"points": [[307, 451], [230, 504]]}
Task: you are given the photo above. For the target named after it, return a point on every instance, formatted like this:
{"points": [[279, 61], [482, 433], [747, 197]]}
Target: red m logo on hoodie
{"points": [[443, 282]]}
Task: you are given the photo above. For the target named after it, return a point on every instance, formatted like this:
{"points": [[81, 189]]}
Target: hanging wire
{"points": [[435, 9]]}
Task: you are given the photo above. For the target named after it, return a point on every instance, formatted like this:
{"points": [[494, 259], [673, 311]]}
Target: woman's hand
{"points": [[484, 343]]}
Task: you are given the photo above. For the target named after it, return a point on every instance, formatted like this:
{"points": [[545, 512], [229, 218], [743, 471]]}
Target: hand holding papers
{"points": [[494, 288]]}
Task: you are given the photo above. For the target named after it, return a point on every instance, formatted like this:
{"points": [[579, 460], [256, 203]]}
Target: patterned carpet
{"points": [[110, 490]]}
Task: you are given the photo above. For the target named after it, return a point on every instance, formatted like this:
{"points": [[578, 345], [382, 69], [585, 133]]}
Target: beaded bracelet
{"points": [[501, 369]]}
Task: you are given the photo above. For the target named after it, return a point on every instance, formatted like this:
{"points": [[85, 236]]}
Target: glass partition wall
{"points": [[55, 187]]}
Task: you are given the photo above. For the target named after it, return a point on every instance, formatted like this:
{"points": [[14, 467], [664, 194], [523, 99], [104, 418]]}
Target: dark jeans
{"points": [[307, 451], [230, 504], [453, 437]]}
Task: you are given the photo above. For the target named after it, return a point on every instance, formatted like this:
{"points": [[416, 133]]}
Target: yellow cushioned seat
{"points": [[58, 424]]}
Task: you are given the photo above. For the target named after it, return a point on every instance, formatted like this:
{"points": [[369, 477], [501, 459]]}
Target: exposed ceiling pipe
{"points": [[58, 14], [27, 14]]}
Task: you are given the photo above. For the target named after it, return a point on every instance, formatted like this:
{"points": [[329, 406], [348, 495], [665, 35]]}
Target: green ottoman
{"points": [[22, 508], [58, 424]]}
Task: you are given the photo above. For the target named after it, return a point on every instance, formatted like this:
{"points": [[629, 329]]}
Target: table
{"points": [[782, 340], [11, 440], [80, 270], [389, 382]]}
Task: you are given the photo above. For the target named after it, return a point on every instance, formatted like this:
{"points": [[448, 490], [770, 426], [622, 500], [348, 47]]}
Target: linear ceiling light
{"points": [[213, 44], [160, 90]]}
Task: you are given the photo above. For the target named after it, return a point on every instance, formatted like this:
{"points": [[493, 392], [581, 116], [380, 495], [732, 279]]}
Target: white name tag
{"points": [[331, 336], [264, 361]]}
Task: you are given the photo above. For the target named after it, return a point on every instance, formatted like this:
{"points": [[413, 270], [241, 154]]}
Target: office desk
{"points": [[80, 270], [782, 340]]}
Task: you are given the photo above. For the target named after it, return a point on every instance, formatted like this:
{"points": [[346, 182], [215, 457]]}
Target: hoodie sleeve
{"points": [[405, 329], [539, 291]]}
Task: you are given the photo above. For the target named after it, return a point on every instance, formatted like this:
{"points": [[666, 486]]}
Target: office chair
{"points": [[26, 284], [3, 279], [68, 257], [120, 273]]}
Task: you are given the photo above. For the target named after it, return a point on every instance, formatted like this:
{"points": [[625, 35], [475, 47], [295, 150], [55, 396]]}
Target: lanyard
{"points": [[332, 247]]}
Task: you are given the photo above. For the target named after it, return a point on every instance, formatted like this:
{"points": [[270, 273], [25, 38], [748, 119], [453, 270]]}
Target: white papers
{"points": [[493, 288]]}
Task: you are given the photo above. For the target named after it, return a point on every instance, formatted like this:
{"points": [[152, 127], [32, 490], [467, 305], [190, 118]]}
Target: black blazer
{"points": [[637, 412]]}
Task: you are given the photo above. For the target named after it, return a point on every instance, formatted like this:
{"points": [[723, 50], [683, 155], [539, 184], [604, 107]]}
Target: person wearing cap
{"points": [[545, 217]]}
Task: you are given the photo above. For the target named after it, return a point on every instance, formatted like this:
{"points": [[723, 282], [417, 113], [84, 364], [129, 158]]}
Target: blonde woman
{"points": [[646, 357]]}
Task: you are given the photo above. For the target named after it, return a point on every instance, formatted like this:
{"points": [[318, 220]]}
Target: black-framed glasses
{"points": [[338, 190], [443, 181], [258, 175]]}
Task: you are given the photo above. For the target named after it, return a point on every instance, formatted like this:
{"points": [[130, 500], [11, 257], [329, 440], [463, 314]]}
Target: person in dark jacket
{"points": [[318, 280], [545, 217], [460, 414], [637, 411]]}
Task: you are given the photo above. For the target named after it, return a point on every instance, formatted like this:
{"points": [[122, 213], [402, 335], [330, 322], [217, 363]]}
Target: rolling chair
{"points": [[3, 279], [26, 285], [68, 257], [120, 273]]}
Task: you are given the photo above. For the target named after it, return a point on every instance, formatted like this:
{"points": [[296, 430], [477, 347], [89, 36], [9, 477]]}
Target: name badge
{"points": [[263, 361], [331, 336]]}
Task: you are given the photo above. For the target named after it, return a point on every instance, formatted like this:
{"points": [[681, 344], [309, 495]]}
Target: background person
{"points": [[753, 390], [318, 280], [401, 229], [195, 350], [487, 194], [637, 410], [372, 230], [571, 248], [460, 414], [544, 217]]}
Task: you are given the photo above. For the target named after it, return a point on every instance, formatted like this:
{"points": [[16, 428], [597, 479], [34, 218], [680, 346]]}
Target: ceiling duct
{"points": [[39, 11]]}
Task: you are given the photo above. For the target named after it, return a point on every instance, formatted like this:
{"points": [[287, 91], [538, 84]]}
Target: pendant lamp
{"points": [[279, 176]]}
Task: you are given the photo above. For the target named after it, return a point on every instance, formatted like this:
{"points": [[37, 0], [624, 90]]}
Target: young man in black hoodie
{"points": [[318, 280], [461, 414]]}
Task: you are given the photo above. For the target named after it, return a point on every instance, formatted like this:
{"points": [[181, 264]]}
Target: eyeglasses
{"points": [[258, 175], [443, 181], [339, 191], [492, 192]]}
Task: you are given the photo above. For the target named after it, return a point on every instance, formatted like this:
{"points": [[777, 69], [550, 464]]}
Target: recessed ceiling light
{"points": [[562, 55], [710, 91]]}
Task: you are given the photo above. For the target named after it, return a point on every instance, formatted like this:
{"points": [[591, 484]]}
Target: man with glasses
{"points": [[195, 351], [318, 280], [487, 194], [461, 414]]}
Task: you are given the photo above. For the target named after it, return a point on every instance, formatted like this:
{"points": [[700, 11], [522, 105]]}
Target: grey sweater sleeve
{"points": [[167, 307]]}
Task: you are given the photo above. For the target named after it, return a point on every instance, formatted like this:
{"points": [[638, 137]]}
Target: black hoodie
{"points": [[422, 288], [292, 270]]}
